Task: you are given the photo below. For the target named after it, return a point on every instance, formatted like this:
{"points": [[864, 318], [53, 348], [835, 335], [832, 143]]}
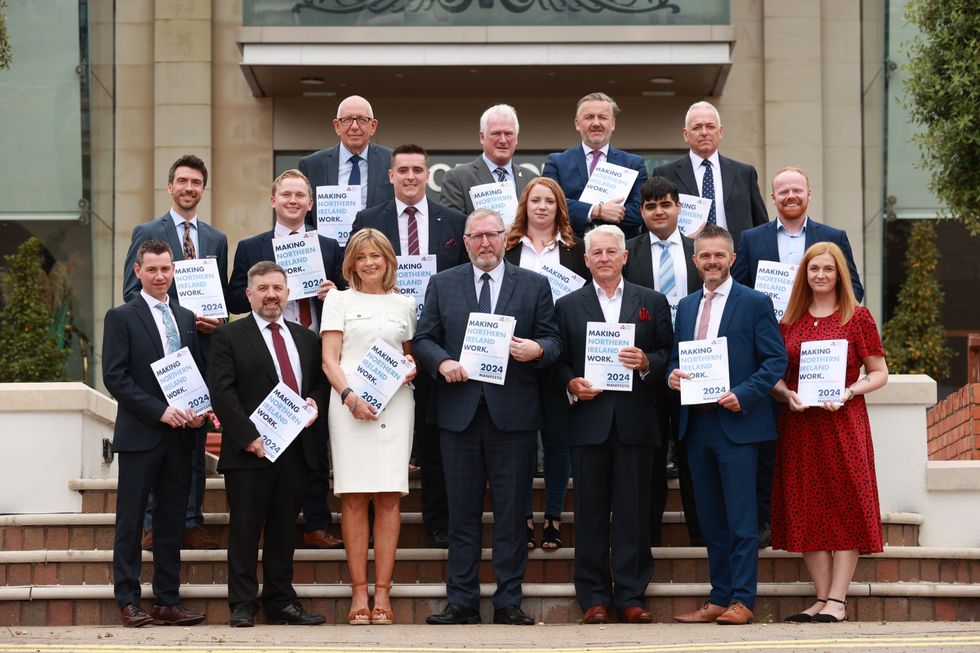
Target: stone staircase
{"points": [[56, 569]]}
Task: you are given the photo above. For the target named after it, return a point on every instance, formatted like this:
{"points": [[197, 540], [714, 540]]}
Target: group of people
{"points": [[755, 461]]}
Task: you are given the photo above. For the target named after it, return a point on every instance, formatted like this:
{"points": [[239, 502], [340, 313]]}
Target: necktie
{"points": [[708, 189], [705, 316], [501, 174], [355, 171], [666, 269], [170, 329], [285, 368], [484, 303], [189, 252], [305, 312], [413, 231], [596, 155]]}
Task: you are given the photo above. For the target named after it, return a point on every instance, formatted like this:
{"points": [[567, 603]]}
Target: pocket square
{"points": [[644, 314], [449, 244]]}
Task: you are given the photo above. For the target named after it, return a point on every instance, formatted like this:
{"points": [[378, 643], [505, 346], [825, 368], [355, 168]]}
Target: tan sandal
{"points": [[382, 616], [361, 616]]}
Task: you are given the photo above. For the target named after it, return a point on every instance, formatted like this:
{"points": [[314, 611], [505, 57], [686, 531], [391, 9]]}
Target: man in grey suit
{"points": [[734, 186], [354, 161], [488, 431], [188, 237], [499, 129]]}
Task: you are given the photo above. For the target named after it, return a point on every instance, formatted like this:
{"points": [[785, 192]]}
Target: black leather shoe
{"points": [[765, 535], [242, 616], [512, 615], [439, 538], [454, 615], [294, 615]]}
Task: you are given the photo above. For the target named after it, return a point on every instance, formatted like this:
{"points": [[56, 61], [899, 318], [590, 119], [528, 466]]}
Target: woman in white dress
{"points": [[370, 450]]}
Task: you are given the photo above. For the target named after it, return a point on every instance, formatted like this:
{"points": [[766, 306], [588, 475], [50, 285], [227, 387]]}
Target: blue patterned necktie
{"points": [[170, 329], [484, 303], [708, 190], [666, 269], [501, 174], [355, 171]]}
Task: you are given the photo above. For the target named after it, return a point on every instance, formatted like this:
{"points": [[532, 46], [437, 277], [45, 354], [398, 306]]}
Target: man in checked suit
{"points": [[734, 186], [291, 198], [595, 120], [488, 431], [416, 226], [355, 160], [154, 441], [498, 136], [188, 237], [613, 434]]}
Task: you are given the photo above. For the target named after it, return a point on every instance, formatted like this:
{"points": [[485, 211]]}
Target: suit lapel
{"points": [[685, 174], [812, 235], [644, 260], [295, 330], [435, 229], [513, 255], [727, 177], [469, 289], [688, 310], [693, 278], [506, 288], [730, 306], [771, 243], [377, 168], [631, 303], [170, 231], [580, 167], [521, 179], [389, 224], [254, 337], [146, 317], [590, 303], [332, 164], [266, 252], [482, 172]]}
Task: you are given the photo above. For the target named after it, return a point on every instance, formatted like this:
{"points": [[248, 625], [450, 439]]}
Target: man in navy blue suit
{"points": [[292, 197], [595, 120], [723, 438], [488, 432]]}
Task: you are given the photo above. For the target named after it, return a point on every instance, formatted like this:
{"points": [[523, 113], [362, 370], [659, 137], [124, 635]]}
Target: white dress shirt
{"points": [[291, 350], [676, 247], [717, 308], [291, 312], [532, 260], [344, 168], [696, 161], [181, 224], [791, 246], [611, 306], [158, 316], [421, 221], [496, 278]]}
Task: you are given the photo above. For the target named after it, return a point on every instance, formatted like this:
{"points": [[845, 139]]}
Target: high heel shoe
{"points": [[821, 618], [382, 616], [361, 616], [802, 617], [551, 536]]}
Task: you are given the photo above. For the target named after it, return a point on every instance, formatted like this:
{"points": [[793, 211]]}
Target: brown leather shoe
{"points": [[198, 538], [146, 542], [134, 617], [175, 615], [322, 539], [736, 615], [597, 614], [704, 615], [635, 615]]}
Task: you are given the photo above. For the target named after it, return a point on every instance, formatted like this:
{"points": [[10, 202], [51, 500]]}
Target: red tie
{"points": [[305, 313], [596, 155], [705, 316], [413, 231], [285, 368]]}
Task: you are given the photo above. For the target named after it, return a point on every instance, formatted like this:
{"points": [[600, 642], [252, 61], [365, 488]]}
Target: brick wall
{"points": [[954, 426]]}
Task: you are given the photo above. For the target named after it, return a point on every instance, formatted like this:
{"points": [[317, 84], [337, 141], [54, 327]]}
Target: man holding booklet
{"points": [[616, 339], [728, 355]]}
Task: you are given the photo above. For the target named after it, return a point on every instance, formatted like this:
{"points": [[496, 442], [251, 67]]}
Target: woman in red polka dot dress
{"points": [[825, 495]]}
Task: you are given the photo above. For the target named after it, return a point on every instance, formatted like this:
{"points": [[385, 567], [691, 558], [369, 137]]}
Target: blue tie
{"points": [[501, 174], [484, 303], [666, 269], [355, 171], [708, 189], [170, 329]]}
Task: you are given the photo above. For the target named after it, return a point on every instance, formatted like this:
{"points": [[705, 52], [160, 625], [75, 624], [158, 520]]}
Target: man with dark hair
{"points": [[153, 440], [189, 238], [416, 226]]}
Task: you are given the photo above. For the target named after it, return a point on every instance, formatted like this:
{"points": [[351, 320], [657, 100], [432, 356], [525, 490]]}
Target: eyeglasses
{"points": [[491, 236], [363, 121]]}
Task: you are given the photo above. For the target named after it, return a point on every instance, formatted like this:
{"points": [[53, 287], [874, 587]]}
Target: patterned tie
{"points": [[413, 231], [355, 171], [305, 310], [484, 303], [708, 189], [596, 155], [666, 268], [285, 367], [705, 316], [189, 251], [501, 174], [170, 329]]}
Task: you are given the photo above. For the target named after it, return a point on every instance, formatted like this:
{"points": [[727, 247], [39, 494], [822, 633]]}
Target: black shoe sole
{"points": [[468, 621]]}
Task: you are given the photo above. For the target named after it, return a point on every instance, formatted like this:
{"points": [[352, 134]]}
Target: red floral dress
{"points": [[825, 494]]}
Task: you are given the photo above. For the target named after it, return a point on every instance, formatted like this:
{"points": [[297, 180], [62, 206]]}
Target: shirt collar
{"points": [[602, 293], [179, 219], [724, 289], [781, 227], [281, 230], [346, 154], [696, 160], [550, 246], [509, 166], [152, 301], [604, 149], [422, 206], [674, 238], [496, 274], [263, 323]]}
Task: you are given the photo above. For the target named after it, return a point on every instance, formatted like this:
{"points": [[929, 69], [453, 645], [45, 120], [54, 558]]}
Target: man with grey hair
{"points": [[733, 186], [499, 128], [595, 120], [488, 431], [354, 161]]}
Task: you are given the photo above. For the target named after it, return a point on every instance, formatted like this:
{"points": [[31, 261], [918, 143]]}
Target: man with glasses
{"points": [[498, 136], [488, 431], [355, 160]]}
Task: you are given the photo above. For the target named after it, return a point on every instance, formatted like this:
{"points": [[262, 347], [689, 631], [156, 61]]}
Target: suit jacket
{"points": [[635, 412], [322, 167], [744, 206], [457, 182], [131, 342], [569, 169], [639, 263], [756, 360], [449, 299], [445, 231], [573, 259], [759, 244], [211, 244], [241, 373], [259, 248]]}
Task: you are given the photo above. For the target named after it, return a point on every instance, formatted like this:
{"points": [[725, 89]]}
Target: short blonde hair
{"points": [[292, 173], [370, 238]]}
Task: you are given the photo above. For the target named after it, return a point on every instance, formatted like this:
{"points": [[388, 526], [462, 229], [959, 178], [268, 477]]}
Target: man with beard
{"points": [[249, 357]]}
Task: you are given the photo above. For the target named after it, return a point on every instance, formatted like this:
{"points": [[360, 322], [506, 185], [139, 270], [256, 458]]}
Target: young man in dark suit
{"points": [[154, 441]]}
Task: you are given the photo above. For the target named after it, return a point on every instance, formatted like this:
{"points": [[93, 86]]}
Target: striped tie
{"points": [[667, 285], [413, 231], [501, 174]]}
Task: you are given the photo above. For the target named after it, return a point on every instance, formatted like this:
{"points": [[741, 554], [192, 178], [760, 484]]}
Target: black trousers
{"points": [[428, 455]]}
